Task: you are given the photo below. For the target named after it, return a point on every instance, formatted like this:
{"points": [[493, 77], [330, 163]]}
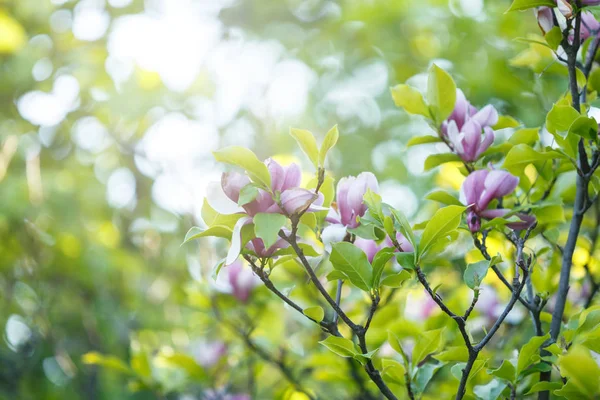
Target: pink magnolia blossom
{"points": [[483, 186], [350, 206], [463, 128], [285, 182], [241, 280], [371, 247], [349, 198], [208, 353], [545, 18]]}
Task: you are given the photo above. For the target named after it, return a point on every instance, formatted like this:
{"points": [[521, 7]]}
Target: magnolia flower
{"points": [[462, 130], [206, 353], [483, 186], [566, 8], [285, 182], [349, 206], [545, 18], [589, 25], [241, 281], [371, 247]]}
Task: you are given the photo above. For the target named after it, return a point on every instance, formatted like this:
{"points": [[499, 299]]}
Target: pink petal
{"points": [[497, 184], [219, 201], [232, 183], [471, 141], [236, 240], [277, 175], [369, 247], [473, 187], [297, 199], [488, 139], [545, 18], [487, 116], [293, 176], [344, 208]]}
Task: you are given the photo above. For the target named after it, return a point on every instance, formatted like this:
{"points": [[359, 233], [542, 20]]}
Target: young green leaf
{"points": [[246, 159], [437, 159], [404, 227], [443, 197], [417, 140], [428, 343], [379, 262], [410, 99], [406, 260], [582, 371], [108, 361], [396, 280], [475, 272], [267, 226], [330, 140], [340, 346], [529, 352], [520, 5], [553, 37], [441, 93], [444, 221], [585, 127], [247, 194], [216, 231], [353, 262], [560, 118], [307, 143], [506, 371], [315, 313]]}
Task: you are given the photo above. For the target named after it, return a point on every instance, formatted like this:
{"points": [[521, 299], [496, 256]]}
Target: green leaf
{"points": [[335, 275], [428, 343], [410, 99], [404, 227], [457, 369], [107, 361], [522, 155], [395, 344], [560, 118], [553, 37], [505, 121], [437, 159], [525, 136], [455, 353], [443, 197], [406, 260], [340, 346], [393, 371], [441, 94], [216, 231], [379, 262], [551, 214], [594, 80], [519, 5], [267, 226], [307, 142], [506, 371], [582, 371], [330, 140], [315, 313], [414, 141], [529, 352], [183, 361], [367, 231], [444, 221], [213, 218], [475, 272], [543, 386], [353, 262], [373, 202], [247, 194], [491, 390], [396, 280], [246, 159], [585, 127]]}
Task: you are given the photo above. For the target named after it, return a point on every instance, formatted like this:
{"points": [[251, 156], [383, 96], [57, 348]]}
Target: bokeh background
{"points": [[109, 112]]}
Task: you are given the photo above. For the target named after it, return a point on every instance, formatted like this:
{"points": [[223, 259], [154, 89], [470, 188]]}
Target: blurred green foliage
{"points": [[81, 273]]}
